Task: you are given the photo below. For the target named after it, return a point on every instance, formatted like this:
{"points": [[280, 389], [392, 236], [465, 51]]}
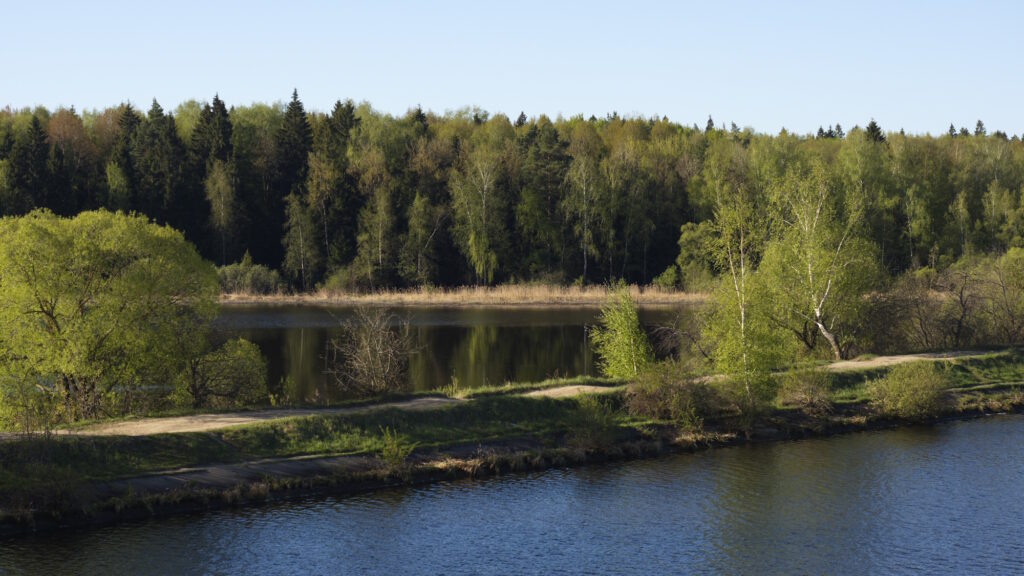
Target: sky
{"points": [[915, 65]]}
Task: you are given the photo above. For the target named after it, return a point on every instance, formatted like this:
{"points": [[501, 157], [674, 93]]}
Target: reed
{"points": [[503, 295]]}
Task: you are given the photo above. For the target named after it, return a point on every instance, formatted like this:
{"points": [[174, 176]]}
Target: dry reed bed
{"points": [[510, 295]]}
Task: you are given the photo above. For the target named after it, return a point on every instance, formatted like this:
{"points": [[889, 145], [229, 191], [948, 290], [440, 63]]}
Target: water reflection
{"points": [[472, 346]]}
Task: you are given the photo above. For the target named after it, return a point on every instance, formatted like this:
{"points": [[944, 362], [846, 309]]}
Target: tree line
{"points": [[358, 199]]}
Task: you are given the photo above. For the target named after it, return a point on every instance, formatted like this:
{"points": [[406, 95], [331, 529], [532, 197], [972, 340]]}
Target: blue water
{"points": [[927, 500]]}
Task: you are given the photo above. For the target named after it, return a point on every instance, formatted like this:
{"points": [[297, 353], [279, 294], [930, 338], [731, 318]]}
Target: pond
{"points": [[473, 346], [933, 500]]}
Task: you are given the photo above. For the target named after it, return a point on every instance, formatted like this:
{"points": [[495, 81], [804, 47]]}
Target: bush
{"points": [[395, 449], [619, 341], [233, 375], [25, 407], [667, 280], [913, 391], [666, 391], [807, 390], [749, 408], [245, 277], [592, 424], [373, 357]]}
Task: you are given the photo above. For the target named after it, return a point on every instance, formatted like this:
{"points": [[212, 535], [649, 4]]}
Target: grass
{"points": [[36, 464], [503, 295]]}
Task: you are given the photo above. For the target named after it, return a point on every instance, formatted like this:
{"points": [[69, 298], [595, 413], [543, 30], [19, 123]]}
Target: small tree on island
{"points": [[620, 342]]}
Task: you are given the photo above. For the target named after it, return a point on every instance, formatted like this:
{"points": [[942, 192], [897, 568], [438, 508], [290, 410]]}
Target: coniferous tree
{"points": [[157, 157], [874, 132], [979, 129], [28, 166], [294, 142]]}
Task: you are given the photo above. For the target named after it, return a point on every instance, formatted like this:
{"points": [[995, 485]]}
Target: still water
{"points": [[929, 500], [474, 346]]}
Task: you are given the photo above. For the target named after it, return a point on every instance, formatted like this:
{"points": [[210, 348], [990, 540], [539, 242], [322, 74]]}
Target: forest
{"points": [[355, 199]]}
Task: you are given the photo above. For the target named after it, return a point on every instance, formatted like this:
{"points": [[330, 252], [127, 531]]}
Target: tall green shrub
{"points": [[619, 341]]}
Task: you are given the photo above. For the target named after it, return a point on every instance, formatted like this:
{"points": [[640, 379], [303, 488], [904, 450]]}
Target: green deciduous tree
{"points": [[818, 269], [302, 257], [220, 193], [94, 308], [621, 345], [480, 201]]}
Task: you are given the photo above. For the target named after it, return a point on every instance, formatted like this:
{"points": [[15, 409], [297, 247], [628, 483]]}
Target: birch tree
{"points": [[220, 193], [818, 268], [744, 346], [583, 178], [479, 200]]}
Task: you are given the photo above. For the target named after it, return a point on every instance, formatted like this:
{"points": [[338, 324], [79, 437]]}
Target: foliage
{"points": [[667, 391], [592, 425], [233, 375], [912, 391], [806, 390], [817, 268], [372, 359], [246, 277], [620, 342], [95, 307], [395, 449]]}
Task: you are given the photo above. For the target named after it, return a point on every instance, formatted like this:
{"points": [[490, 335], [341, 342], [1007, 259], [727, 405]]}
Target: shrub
{"points": [[619, 341], [373, 357], [667, 280], [666, 391], [245, 277], [807, 390], [395, 449], [233, 375], [914, 391], [592, 425], [750, 406]]}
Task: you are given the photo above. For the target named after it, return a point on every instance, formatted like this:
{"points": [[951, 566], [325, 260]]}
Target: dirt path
{"points": [[207, 422], [566, 391], [882, 361]]}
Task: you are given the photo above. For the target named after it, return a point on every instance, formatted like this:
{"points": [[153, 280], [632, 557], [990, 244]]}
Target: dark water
{"points": [[938, 500], [475, 346]]}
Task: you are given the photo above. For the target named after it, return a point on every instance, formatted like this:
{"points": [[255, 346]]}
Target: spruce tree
{"points": [[874, 132], [28, 166], [294, 142]]}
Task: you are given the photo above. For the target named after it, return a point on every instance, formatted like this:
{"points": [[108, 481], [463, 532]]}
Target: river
{"points": [[943, 499], [474, 346]]}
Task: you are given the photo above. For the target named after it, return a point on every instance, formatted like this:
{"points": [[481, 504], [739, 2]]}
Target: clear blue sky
{"points": [[916, 65]]}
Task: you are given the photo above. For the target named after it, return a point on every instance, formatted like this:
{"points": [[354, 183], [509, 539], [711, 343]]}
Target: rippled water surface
{"points": [[932, 500]]}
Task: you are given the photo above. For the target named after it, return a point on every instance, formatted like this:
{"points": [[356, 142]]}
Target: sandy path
{"points": [[566, 391], [207, 422], [882, 361]]}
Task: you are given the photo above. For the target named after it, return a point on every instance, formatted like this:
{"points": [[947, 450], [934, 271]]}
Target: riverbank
{"points": [[86, 481], [534, 295]]}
